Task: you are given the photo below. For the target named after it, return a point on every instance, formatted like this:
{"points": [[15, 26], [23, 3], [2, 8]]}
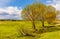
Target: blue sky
{"points": [[17, 3], [11, 9], [20, 3]]}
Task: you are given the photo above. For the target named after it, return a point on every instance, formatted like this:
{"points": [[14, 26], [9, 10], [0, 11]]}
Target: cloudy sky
{"points": [[11, 9]]}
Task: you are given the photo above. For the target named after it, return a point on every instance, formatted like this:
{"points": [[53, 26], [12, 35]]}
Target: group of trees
{"points": [[39, 12]]}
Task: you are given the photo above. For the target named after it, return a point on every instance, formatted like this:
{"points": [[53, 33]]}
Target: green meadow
{"points": [[11, 30]]}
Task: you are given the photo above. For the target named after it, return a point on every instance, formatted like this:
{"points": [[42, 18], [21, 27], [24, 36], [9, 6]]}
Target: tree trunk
{"points": [[42, 22], [33, 23]]}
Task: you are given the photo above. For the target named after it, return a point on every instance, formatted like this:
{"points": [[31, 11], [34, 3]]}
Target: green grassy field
{"points": [[11, 30]]}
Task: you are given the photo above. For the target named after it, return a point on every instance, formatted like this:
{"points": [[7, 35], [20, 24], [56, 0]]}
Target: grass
{"points": [[51, 35], [11, 30]]}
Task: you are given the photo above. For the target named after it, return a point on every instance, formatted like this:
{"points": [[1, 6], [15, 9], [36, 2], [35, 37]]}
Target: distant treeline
{"points": [[9, 20], [15, 20]]}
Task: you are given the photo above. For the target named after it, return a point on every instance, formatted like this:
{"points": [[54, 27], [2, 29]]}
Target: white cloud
{"points": [[57, 6], [10, 13], [55, 3]]}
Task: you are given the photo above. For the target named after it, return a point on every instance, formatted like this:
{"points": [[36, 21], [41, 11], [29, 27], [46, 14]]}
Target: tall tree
{"points": [[34, 12], [50, 16]]}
